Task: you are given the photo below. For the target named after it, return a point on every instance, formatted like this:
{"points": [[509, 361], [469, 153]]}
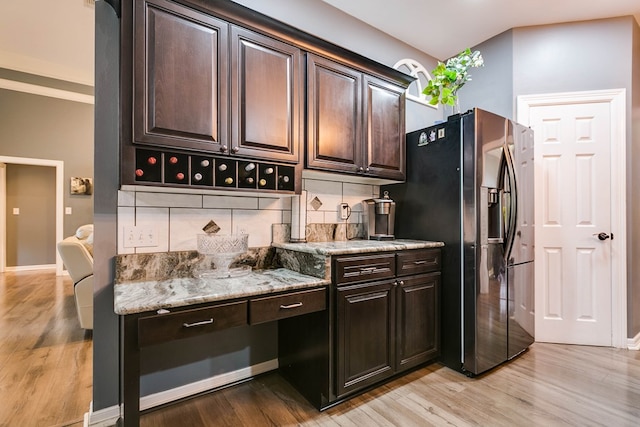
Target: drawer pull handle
{"points": [[419, 262], [367, 270], [294, 305], [204, 322]]}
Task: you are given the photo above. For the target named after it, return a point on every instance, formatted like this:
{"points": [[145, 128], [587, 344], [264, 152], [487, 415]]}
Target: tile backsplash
{"points": [[177, 218]]}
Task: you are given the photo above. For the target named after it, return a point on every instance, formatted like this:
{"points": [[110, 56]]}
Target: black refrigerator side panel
{"points": [[469, 216], [428, 208]]}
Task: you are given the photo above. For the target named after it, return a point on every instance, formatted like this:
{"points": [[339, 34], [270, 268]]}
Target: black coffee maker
{"points": [[379, 216]]}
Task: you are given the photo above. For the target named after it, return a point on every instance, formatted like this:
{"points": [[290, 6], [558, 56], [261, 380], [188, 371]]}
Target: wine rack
{"points": [[187, 170]]}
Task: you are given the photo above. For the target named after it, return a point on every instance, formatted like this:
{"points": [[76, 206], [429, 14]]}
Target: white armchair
{"points": [[75, 252]]}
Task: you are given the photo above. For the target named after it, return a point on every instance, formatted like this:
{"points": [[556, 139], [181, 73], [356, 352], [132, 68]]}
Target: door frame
{"points": [[617, 101], [59, 165], [3, 216]]}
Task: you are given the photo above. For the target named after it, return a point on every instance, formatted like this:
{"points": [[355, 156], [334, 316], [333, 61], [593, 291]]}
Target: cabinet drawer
{"points": [[418, 261], [350, 269], [188, 323], [288, 305]]}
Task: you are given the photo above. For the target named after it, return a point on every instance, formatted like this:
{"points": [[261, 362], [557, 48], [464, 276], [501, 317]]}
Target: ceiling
{"points": [[48, 38], [56, 38], [442, 28]]}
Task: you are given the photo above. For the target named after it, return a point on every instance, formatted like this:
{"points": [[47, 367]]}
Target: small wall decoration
{"points": [[81, 185]]}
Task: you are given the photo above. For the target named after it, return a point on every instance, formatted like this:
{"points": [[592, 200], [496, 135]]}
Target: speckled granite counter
{"points": [[314, 258], [357, 246], [137, 297], [146, 282]]}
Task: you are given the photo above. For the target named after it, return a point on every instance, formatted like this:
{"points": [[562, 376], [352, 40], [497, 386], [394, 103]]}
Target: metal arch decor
{"points": [[417, 70]]}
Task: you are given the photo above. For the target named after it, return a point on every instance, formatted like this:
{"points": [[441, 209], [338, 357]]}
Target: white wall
{"points": [[178, 218]]}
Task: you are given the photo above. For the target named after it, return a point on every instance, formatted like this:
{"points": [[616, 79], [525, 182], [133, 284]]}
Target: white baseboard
{"points": [[634, 343], [31, 267], [103, 418], [177, 393], [109, 416]]}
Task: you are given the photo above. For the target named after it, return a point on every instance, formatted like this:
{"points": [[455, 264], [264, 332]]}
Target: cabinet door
{"points": [[266, 95], [418, 336], [365, 331], [180, 77], [384, 105], [334, 140]]}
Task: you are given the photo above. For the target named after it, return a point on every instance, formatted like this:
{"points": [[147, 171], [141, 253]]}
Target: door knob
{"points": [[602, 236]]}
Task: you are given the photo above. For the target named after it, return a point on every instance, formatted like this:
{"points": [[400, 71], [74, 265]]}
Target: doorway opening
{"points": [[59, 219]]}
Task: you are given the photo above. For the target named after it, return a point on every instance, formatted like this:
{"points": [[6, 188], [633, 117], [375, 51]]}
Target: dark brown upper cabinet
{"points": [[196, 74], [355, 121], [180, 77], [266, 100], [334, 102], [384, 118], [213, 78]]}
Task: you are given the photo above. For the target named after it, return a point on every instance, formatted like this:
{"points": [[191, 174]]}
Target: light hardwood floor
{"points": [[45, 357], [550, 385], [45, 380]]}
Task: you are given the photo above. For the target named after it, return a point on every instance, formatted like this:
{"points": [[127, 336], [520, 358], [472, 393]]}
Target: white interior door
{"points": [[573, 206]]}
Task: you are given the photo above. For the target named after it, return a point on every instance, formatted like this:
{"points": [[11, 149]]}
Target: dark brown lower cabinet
{"points": [[384, 328], [306, 307], [365, 334], [418, 320], [383, 319]]}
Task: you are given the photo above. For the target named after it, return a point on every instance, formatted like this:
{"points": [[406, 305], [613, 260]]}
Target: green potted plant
{"points": [[447, 78]]}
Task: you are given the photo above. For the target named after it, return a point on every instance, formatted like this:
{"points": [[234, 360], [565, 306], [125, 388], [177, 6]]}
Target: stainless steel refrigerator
{"points": [[470, 184]]}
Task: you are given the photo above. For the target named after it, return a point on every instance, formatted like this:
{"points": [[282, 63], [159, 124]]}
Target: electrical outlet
{"points": [[139, 236], [345, 211]]}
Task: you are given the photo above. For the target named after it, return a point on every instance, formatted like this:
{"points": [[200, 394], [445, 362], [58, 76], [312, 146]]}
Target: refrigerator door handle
{"points": [[513, 204]]}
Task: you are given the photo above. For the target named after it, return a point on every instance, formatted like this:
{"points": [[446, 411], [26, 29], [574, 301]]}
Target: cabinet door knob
{"points": [[360, 169], [367, 170], [235, 149], [223, 148]]}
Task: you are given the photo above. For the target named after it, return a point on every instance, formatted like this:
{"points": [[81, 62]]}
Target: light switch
{"points": [[16, 211], [138, 236], [68, 210]]}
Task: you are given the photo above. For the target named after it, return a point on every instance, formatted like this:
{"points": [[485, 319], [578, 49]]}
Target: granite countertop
{"points": [[138, 297], [357, 246]]}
